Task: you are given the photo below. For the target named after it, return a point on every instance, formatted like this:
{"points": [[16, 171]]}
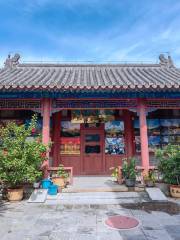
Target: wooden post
{"points": [[128, 129], [46, 112], [56, 137], [143, 135]]}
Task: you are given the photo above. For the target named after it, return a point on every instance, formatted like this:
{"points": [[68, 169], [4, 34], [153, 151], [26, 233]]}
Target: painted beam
{"points": [[106, 94]]}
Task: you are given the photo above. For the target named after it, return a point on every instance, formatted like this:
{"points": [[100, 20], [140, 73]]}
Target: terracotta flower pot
{"points": [[59, 181], [175, 191], [15, 194]]}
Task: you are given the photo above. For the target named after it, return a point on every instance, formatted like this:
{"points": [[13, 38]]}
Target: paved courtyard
{"points": [[25, 221]]}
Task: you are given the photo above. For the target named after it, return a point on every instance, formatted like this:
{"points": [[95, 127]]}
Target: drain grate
{"points": [[119, 222]]}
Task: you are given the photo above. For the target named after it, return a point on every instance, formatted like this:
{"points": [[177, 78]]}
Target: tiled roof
{"points": [[90, 76]]}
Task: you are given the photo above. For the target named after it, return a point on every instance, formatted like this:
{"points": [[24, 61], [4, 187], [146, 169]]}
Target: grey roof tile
{"points": [[90, 76]]}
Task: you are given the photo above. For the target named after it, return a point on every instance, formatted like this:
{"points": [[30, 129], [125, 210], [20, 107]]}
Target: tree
{"points": [[20, 159]]}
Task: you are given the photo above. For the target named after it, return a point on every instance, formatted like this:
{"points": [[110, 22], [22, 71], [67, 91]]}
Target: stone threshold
{"points": [[120, 188]]}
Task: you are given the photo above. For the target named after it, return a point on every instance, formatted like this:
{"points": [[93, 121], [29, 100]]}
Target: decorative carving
{"points": [[166, 61], [171, 63], [12, 62], [94, 104], [20, 104], [163, 104]]}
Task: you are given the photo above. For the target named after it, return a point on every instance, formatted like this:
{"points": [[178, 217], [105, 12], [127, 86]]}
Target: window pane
{"points": [[160, 133], [114, 146], [70, 138], [69, 129], [114, 141], [92, 149], [92, 138]]}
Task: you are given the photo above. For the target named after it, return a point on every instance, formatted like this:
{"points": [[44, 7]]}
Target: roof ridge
{"points": [[13, 62], [88, 65]]}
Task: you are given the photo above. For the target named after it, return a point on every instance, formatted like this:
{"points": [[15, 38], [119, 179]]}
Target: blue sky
{"points": [[90, 30]]}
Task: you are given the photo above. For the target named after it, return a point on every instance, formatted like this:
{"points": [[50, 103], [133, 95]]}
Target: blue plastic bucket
{"points": [[46, 183], [53, 189]]}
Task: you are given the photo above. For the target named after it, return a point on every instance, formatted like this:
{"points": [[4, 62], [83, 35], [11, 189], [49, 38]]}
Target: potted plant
{"points": [[169, 166], [149, 178], [60, 178], [20, 159], [116, 174], [129, 172]]}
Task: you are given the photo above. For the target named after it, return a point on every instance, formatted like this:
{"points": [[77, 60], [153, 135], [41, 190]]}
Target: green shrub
{"points": [[62, 172], [150, 176], [20, 159], [169, 163], [129, 169]]}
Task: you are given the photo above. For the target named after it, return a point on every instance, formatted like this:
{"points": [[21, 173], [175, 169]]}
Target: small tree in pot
{"points": [[20, 159], [129, 172], [116, 174], [149, 178], [169, 166], [60, 178]]}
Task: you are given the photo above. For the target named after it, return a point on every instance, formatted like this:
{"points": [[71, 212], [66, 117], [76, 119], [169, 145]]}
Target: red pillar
{"points": [[129, 135], [56, 137], [143, 135], [46, 112]]}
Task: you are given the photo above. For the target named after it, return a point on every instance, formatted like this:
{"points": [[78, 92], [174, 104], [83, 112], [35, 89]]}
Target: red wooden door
{"points": [[92, 151]]}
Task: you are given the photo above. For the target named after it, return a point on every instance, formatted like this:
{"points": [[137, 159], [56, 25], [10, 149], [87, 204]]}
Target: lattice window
{"points": [[166, 104], [95, 104], [20, 104]]}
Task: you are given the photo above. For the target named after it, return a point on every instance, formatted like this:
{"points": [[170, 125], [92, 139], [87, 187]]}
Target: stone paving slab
{"points": [[23, 221], [173, 231], [157, 234]]}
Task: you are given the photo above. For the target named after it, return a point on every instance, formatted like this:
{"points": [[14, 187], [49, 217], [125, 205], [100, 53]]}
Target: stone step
{"points": [[90, 198], [93, 202], [38, 196], [118, 188], [98, 195]]}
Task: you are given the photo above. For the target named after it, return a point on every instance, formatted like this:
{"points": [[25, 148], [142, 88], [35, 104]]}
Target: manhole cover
{"points": [[121, 222]]}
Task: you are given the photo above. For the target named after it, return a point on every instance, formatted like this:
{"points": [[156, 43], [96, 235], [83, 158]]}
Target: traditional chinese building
{"points": [[95, 114]]}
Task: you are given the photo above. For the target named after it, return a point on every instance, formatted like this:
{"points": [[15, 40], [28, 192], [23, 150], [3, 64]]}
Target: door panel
{"points": [[92, 150]]}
